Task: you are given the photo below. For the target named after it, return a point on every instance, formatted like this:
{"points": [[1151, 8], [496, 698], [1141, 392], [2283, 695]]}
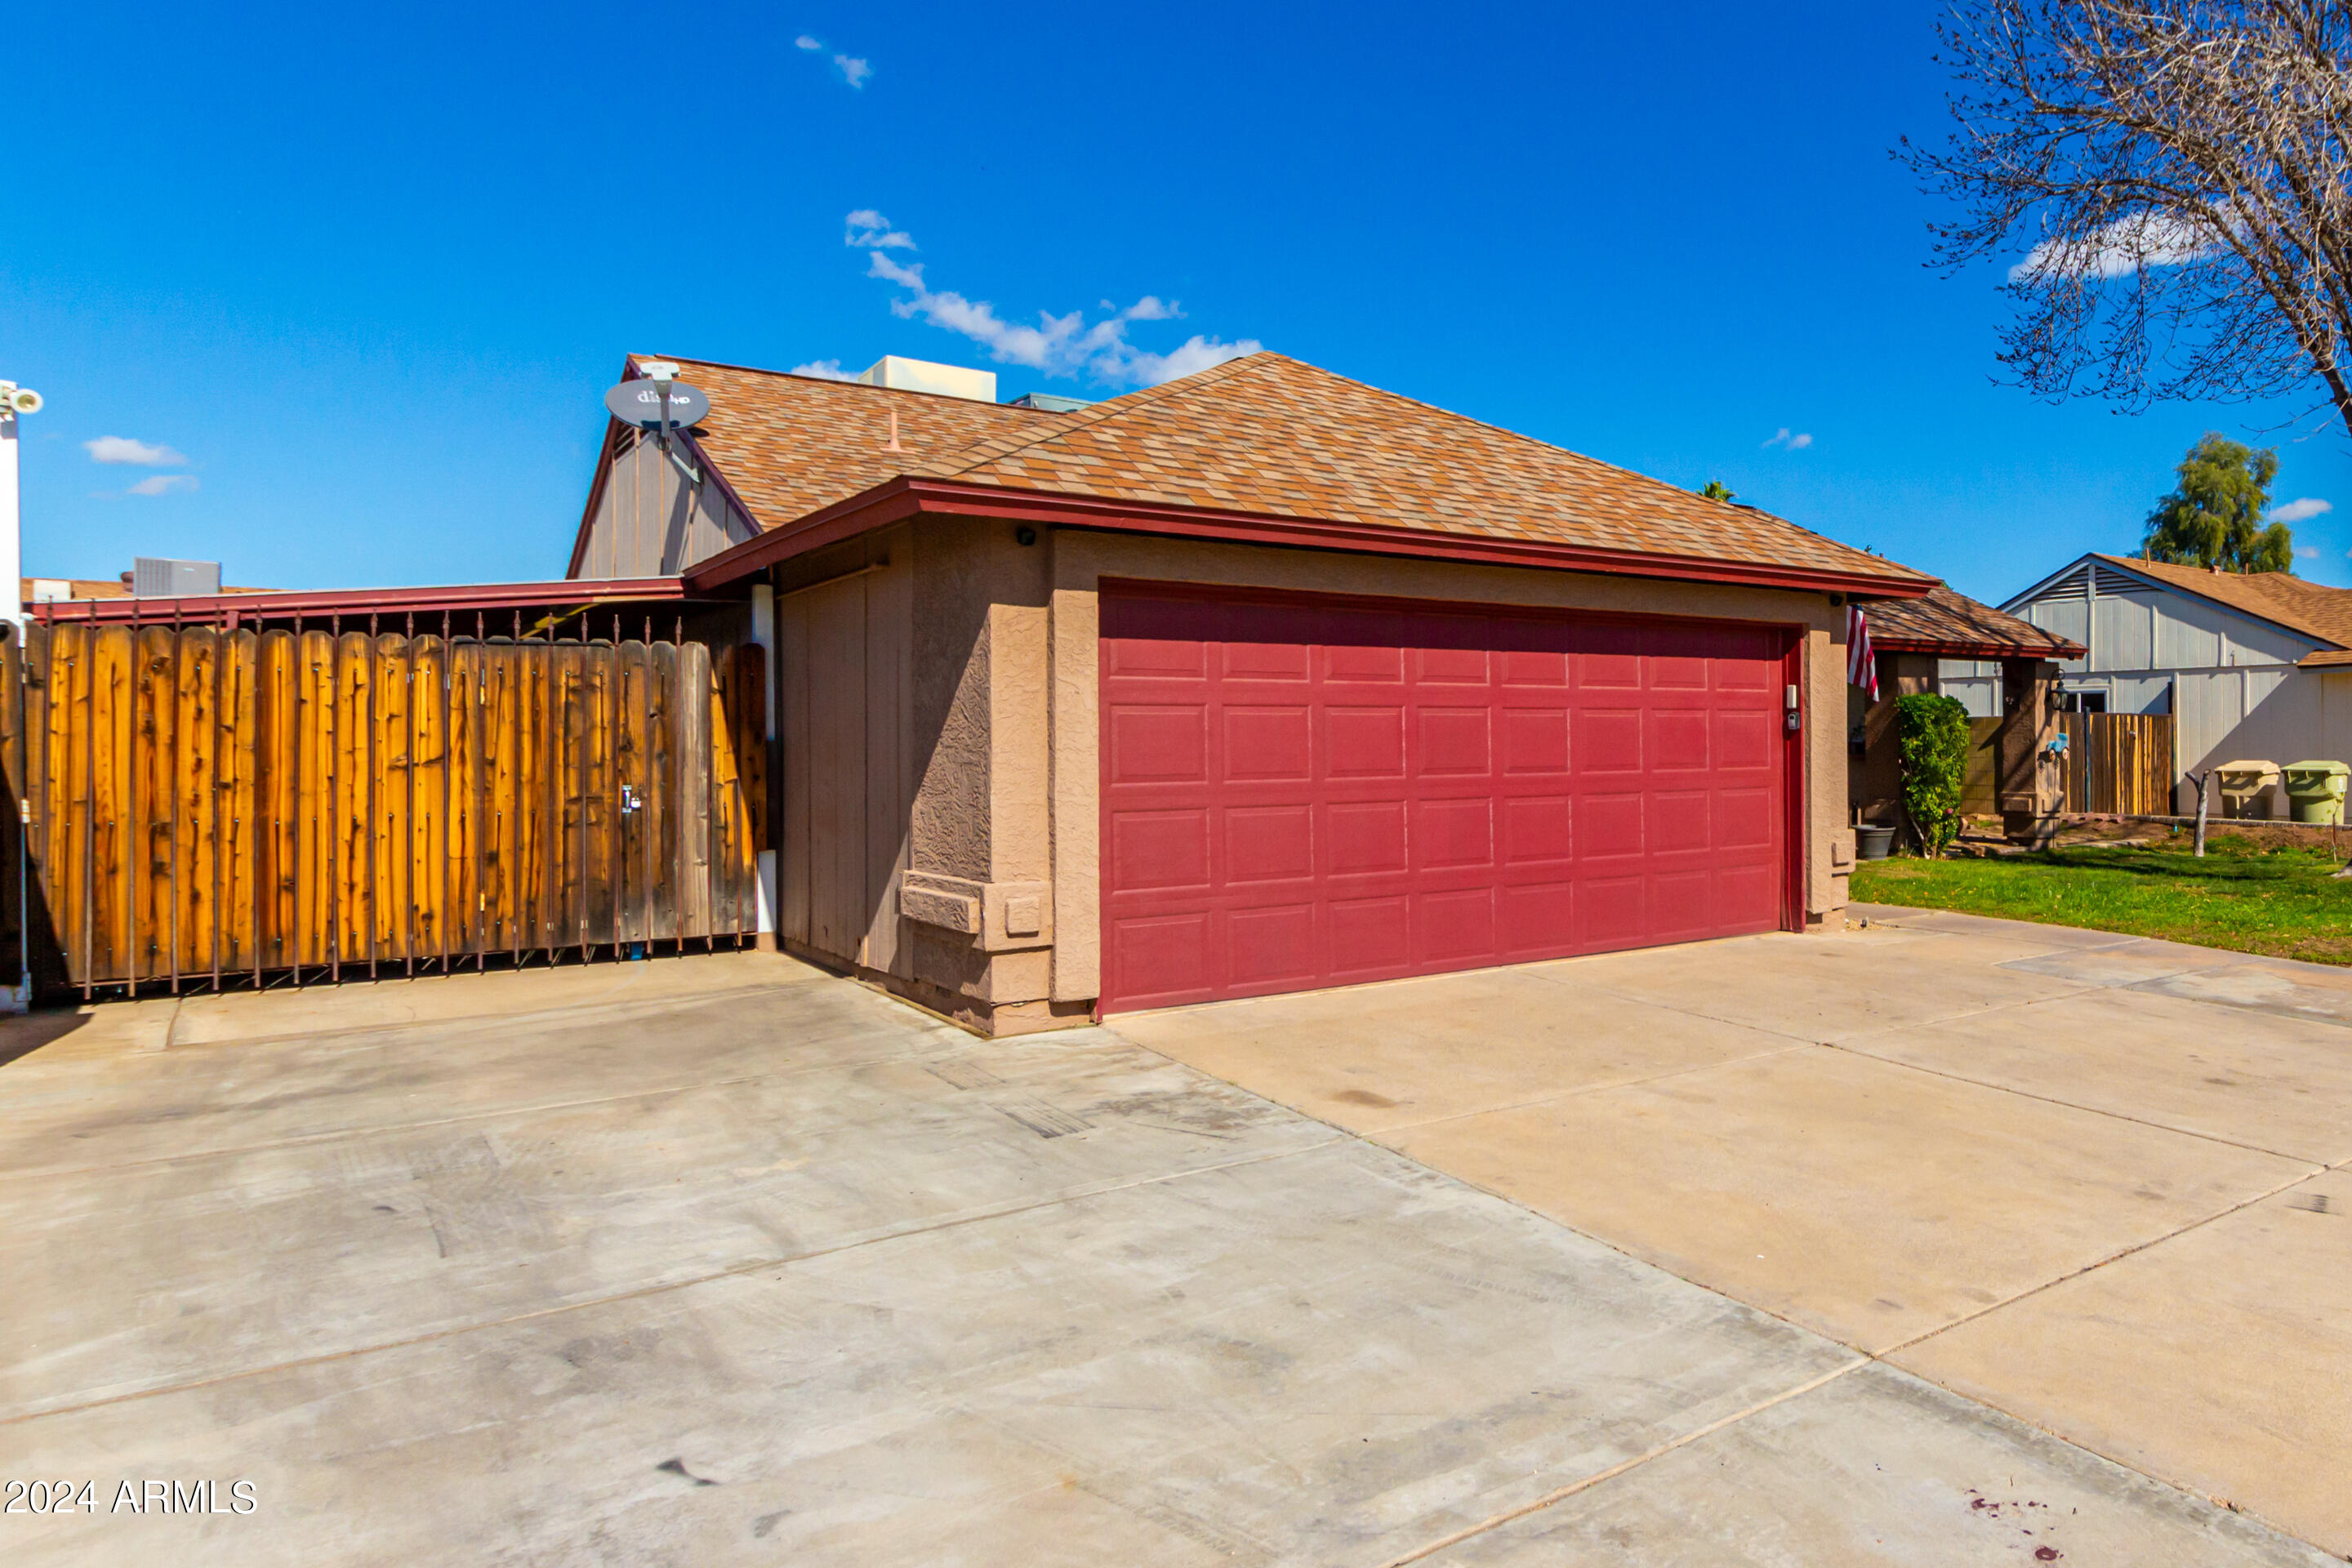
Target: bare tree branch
{"points": [[2176, 174]]}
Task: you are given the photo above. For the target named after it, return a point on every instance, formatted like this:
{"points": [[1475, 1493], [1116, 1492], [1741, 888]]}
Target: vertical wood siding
{"points": [[206, 805], [2118, 764]]}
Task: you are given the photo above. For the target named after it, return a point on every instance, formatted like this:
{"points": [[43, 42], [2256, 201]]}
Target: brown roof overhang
{"points": [[1961, 648], [895, 501]]}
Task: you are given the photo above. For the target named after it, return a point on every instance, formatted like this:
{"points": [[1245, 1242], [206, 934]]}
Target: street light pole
{"points": [[15, 402]]}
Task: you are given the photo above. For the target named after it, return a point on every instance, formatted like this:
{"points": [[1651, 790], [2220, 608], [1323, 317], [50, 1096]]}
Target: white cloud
{"points": [[823, 370], [1794, 443], [163, 484], [853, 71], [2307, 552], [139, 454], [1067, 345], [2118, 249], [2296, 511], [871, 230]]}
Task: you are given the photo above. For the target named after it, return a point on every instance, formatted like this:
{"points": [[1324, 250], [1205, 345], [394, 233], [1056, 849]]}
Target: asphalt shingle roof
{"points": [[791, 445], [2312, 608], [1264, 435], [1949, 620]]}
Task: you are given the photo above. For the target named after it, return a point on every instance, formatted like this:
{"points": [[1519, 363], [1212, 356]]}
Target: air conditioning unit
{"points": [[152, 577]]}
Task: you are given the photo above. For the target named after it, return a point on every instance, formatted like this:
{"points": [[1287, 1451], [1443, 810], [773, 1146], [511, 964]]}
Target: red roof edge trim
{"points": [[898, 498], [155, 610]]}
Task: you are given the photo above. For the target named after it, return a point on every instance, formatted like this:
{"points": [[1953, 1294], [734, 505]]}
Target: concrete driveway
{"points": [[723, 1259], [2095, 1182]]}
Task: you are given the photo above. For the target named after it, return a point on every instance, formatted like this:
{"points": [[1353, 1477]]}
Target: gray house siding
{"points": [[2229, 678], [650, 522]]}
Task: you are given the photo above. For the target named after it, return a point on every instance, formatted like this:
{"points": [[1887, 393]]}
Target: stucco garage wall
{"points": [[938, 721], [1081, 559]]}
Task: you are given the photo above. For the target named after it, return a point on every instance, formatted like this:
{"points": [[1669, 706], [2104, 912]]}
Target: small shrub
{"points": [[1933, 734]]}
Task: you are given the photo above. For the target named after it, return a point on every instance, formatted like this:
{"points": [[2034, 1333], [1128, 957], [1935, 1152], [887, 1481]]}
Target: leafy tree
{"points": [[1932, 733], [2214, 516], [1716, 489]]}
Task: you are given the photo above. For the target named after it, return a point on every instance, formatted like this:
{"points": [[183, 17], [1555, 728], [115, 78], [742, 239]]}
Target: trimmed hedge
{"points": [[1933, 732]]}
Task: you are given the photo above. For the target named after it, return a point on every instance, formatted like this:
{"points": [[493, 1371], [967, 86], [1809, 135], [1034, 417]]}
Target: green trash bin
{"points": [[2317, 789]]}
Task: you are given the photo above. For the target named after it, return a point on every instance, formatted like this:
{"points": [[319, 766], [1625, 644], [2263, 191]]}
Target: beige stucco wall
{"points": [[1002, 714]]}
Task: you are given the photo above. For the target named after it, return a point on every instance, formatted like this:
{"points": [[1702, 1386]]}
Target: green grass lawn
{"points": [[2279, 902]]}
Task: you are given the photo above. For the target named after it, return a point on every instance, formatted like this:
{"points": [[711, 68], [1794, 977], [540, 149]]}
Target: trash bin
{"points": [[2245, 786], [2316, 788]]}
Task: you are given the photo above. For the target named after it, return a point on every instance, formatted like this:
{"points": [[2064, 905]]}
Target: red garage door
{"points": [[1301, 792]]}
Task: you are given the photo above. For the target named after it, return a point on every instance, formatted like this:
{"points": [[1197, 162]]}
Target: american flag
{"points": [[1861, 664]]}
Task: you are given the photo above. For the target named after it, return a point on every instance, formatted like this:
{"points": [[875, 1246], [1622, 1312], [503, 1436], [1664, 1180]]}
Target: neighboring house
{"points": [[1260, 681], [1947, 643], [2250, 664]]}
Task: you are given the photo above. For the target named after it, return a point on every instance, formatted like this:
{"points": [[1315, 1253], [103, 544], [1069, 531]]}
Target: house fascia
{"points": [[898, 499]]}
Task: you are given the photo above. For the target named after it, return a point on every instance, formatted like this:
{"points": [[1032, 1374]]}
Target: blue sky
{"points": [[367, 271]]}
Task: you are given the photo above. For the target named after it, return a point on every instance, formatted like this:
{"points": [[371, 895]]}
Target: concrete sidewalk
{"points": [[724, 1259], [2096, 1182]]}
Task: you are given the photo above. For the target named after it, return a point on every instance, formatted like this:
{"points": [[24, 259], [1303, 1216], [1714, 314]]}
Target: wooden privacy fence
{"points": [[209, 803], [2118, 764], [1981, 785]]}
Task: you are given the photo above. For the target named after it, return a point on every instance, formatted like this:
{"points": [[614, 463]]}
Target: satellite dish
{"points": [[639, 403]]}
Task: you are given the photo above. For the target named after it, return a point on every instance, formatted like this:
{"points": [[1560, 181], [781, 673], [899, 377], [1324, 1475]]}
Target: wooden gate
{"points": [[208, 804], [2118, 764]]}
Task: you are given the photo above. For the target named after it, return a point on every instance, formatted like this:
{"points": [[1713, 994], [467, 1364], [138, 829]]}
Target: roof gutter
{"points": [[583, 592], [895, 501], [1948, 648]]}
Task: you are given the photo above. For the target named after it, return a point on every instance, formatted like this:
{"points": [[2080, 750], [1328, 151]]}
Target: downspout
{"points": [[763, 637]]}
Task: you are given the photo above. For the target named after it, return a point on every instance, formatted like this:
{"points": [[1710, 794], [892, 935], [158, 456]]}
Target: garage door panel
{"points": [[1452, 928], [1748, 740], [1375, 663], [1156, 849], [1539, 831], [1160, 961], [1269, 843], [1677, 739], [1672, 673], [1609, 911], [1364, 743], [1273, 945], [1371, 937], [1680, 904], [1304, 793], [1366, 838], [1533, 666], [1449, 835], [1449, 666], [1266, 743], [1159, 746], [1680, 821], [1608, 741], [1535, 741], [1456, 742], [1611, 826], [1151, 652], [1748, 895], [1743, 818], [1536, 921]]}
